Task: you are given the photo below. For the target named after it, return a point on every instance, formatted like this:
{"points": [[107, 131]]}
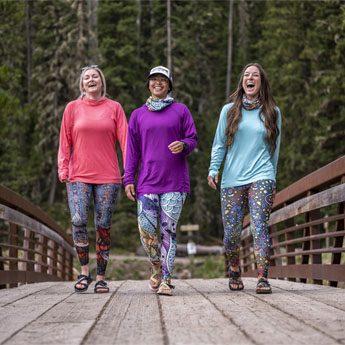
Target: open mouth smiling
{"points": [[250, 86]]}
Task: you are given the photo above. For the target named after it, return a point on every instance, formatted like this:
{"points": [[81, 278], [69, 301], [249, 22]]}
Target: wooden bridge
{"points": [[307, 231], [202, 312]]}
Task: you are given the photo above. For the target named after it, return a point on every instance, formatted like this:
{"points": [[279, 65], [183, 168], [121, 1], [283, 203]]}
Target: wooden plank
{"points": [[326, 175], [12, 277], [325, 321], [201, 312], [10, 295], [69, 321], [131, 317], [191, 318], [20, 314], [321, 272], [22, 220], [14, 200], [334, 297], [260, 317], [190, 227], [328, 197]]}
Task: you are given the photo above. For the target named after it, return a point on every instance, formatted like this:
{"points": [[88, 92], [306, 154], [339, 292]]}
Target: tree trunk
{"points": [[28, 11], [152, 23], [243, 36], [169, 34], [138, 22], [229, 65], [93, 30]]}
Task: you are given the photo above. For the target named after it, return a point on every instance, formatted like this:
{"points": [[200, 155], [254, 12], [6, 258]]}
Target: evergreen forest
{"points": [[206, 43]]}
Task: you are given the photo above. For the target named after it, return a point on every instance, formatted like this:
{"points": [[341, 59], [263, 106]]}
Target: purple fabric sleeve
{"points": [[149, 135]]}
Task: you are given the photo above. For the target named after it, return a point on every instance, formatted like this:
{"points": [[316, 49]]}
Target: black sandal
{"points": [[83, 277], [234, 280], [263, 286], [101, 287]]}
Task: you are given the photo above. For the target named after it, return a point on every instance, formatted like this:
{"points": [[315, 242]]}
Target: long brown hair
{"points": [[268, 113]]}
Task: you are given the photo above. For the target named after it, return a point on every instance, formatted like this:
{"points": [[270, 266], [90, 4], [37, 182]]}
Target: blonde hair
{"points": [[104, 86]]}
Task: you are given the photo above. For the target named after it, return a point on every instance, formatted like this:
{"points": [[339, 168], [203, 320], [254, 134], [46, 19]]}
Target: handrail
{"points": [[33, 247], [307, 229]]}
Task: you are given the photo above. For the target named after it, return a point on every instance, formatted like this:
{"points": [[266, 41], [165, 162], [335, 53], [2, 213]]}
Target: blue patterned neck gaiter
{"points": [[249, 105], [156, 104]]}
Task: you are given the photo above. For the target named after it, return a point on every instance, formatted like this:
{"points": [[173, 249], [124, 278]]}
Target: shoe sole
{"points": [[263, 292], [164, 294], [152, 289]]}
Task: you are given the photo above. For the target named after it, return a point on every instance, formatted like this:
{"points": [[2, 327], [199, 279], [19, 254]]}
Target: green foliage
{"points": [[301, 49], [300, 44]]}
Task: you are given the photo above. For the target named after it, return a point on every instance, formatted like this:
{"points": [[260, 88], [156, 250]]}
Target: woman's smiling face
{"points": [[159, 86], [92, 83], [251, 82]]}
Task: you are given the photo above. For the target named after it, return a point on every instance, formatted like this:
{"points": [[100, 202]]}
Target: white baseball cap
{"points": [[162, 70]]}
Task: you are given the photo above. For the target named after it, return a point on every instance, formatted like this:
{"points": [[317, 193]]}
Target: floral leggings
{"points": [[79, 198], [259, 196], [168, 207]]}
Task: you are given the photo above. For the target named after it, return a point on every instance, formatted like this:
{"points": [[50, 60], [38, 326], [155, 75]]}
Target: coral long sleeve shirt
{"points": [[149, 135], [89, 131]]}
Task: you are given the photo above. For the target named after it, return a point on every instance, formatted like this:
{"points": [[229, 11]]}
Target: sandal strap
{"points": [[155, 273], [234, 274], [101, 284], [82, 277], [167, 284], [263, 283]]}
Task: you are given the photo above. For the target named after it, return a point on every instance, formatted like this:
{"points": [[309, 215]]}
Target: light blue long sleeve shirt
{"points": [[249, 158]]}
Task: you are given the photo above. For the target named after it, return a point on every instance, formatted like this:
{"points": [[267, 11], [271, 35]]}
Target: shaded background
{"points": [[300, 44]]}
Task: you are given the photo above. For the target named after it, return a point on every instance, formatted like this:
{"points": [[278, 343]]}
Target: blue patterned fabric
{"points": [[167, 207]]}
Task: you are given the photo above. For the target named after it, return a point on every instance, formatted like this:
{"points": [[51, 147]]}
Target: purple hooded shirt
{"points": [[149, 135]]}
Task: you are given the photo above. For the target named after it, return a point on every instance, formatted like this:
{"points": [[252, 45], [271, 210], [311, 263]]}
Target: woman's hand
{"points": [[130, 192], [66, 180], [176, 147], [212, 183]]}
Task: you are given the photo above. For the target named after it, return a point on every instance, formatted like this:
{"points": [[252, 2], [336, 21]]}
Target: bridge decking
{"points": [[201, 312]]}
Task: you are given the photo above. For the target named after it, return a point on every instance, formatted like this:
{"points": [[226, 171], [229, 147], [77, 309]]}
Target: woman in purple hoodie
{"points": [[161, 134]]}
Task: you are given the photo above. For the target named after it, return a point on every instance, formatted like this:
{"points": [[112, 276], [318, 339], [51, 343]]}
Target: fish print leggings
{"points": [[168, 207], [79, 198], [259, 197]]}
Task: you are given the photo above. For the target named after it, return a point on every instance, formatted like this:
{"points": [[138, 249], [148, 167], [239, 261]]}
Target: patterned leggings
{"points": [[259, 195], [168, 206], [79, 198]]}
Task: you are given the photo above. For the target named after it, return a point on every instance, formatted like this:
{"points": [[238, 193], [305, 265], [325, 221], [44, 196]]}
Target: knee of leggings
{"points": [[78, 222], [103, 224], [80, 243]]}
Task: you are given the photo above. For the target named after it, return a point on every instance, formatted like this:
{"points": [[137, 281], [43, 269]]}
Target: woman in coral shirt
{"points": [[88, 164]]}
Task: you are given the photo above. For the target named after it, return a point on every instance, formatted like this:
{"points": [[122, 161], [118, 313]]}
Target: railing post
{"points": [[338, 241], [315, 244], [29, 244], [275, 250], [55, 259], [315, 230], [42, 257], [2, 286], [290, 248], [13, 252], [70, 266]]}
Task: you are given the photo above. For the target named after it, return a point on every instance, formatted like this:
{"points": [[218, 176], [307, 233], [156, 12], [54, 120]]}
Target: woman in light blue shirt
{"points": [[248, 136]]}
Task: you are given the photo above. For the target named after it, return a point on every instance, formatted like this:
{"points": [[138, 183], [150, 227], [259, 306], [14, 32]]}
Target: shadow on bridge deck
{"points": [[200, 312]]}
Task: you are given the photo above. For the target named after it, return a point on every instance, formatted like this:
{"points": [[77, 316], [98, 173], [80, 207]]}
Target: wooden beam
{"points": [[13, 216]]}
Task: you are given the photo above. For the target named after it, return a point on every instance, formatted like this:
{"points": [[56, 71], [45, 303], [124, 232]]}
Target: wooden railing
{"points": [[33, 247], [307, 230]]}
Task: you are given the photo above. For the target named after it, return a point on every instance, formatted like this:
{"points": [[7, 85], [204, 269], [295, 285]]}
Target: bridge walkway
{"points": [[201, 312]]}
